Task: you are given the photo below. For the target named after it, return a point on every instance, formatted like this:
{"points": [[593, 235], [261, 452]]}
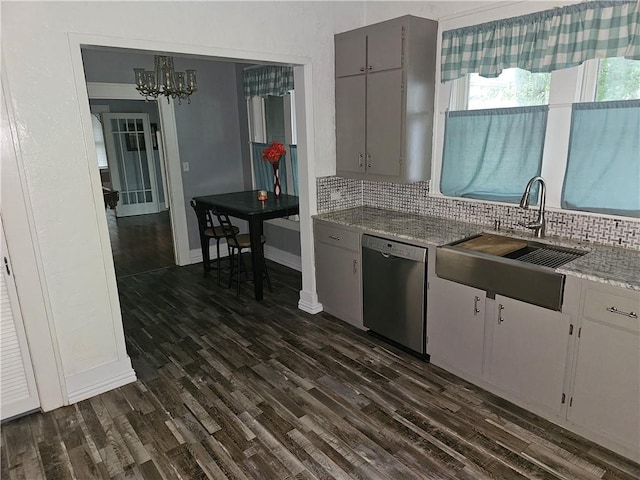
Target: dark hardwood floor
{"points": [[140, 243], [232, 388]]}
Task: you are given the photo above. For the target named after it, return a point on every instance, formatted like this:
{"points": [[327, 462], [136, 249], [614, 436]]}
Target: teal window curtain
{"points": [[603, 167], [293, 157], [492, 154], [263, 171], [544, 41], [274, 80]]}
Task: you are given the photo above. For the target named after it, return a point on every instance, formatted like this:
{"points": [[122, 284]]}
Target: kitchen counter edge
{"points": [[610, 265]]}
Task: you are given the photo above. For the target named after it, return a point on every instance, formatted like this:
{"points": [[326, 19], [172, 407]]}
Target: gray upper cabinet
{"points": [[385, 79]]}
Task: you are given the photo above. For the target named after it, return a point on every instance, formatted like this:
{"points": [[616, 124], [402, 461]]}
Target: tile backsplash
{"points": [[336, 193]]}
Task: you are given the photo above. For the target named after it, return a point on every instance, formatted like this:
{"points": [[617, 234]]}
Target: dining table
{"points": [[245, 205]]}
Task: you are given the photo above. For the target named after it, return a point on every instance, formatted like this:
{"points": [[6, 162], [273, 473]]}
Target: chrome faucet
{"points": [[538, 226]]}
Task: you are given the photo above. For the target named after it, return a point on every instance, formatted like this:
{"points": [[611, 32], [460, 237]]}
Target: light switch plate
{"points": [[185, 166]]}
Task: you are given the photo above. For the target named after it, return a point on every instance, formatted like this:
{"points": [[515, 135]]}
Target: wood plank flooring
{"points": [[140, 243], [244, 390]]}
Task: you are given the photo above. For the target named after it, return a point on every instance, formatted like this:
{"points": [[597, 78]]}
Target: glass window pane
{"points": [[98, 137], [274, 116], [146, 179], [618, 79], [513, 88]]}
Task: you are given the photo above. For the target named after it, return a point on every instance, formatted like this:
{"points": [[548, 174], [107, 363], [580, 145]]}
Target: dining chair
{"points": [[237, 242], [210, 231]]}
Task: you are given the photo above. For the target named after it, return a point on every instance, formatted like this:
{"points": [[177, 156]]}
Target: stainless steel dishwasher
{"points": [[394, 293]]}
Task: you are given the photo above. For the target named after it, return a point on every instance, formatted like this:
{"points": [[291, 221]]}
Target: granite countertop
{"points": [[615, 266]]}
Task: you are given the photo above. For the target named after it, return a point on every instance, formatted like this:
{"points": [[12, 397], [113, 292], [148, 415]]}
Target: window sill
{"points": [[284, 223]]}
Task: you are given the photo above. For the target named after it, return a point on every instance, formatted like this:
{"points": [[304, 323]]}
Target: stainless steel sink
{"points": [[527, 273]]}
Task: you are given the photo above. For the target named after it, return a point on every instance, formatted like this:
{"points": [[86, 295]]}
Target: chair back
{"points": [[229, 231], [205, 220]]}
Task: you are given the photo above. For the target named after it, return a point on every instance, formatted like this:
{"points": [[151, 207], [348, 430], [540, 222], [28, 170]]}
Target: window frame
{"points": [[568, 86], [256, 117]]}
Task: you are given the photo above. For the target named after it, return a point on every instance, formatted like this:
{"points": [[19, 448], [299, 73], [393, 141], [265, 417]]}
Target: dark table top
{"points": [[246, 204]]}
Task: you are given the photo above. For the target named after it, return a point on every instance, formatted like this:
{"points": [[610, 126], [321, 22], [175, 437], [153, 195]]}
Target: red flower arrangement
{"points": [[273, 152]]}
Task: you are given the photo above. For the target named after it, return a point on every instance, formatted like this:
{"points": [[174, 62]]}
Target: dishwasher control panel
{"points": [[391, 247]]}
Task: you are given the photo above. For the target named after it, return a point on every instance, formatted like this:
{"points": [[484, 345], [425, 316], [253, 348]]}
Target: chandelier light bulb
{"points": [[164, 80]]}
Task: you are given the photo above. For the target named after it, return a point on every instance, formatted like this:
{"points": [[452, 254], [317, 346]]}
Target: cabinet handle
{"points": [[368, 160], [361, 160], [476, 310], [619, 312], [334, 237], [362, 69], [500, 318], [355, 266], [369, 67]]}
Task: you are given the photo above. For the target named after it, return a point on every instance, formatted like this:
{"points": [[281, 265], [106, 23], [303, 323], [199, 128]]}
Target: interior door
{"points": [[129, 146], [18, 392]]}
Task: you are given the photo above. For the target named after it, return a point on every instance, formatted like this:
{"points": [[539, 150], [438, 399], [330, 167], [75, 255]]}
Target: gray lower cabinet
{"points": [[339, 285], [579, 368], [529, 352], [605, 397], [385, 79], [455, 327]]}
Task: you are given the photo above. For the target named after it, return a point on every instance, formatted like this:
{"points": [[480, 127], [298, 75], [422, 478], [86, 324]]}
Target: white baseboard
{"points": [[279, 256], [309, 302], [100, 379], [283, 258]]}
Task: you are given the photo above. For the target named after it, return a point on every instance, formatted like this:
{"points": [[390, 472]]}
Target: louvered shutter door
{"points": [[17, 384]]}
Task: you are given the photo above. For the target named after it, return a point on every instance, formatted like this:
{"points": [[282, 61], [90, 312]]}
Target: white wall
{"points": [[41, 68], [61, 183]]}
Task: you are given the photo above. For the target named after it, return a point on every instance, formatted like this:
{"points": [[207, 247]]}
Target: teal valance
{"points": [[544, 41], [270, 80]]}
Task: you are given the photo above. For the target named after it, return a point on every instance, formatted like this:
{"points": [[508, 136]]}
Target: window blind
{"points": [[603, 166], [491, 154]]}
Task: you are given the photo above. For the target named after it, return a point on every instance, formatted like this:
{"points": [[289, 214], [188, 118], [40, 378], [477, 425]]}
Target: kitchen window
{"points": [[494, 136], [566, 51], [600, 169], [603, 166], [514, 87], [98, 136], [272, 118]]}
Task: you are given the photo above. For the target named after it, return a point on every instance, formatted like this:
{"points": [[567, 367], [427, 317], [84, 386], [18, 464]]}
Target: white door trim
{"points": [[304, 123], [33, 294], [174, 194]]}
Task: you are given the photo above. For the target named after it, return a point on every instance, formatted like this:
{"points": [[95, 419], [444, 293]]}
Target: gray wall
{"points": [[213, 132], [212, 129]]}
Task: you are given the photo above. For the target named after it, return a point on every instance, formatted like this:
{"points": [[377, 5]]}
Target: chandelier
{"points": [[164, 80]]}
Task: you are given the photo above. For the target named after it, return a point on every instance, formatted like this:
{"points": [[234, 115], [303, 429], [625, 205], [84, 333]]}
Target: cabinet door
{"points": [[18, 392], [384, 46], [350, 124], [384, 123], [606, 389], [529, 352], [338, 277], [351, 53], [455, 326]]}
